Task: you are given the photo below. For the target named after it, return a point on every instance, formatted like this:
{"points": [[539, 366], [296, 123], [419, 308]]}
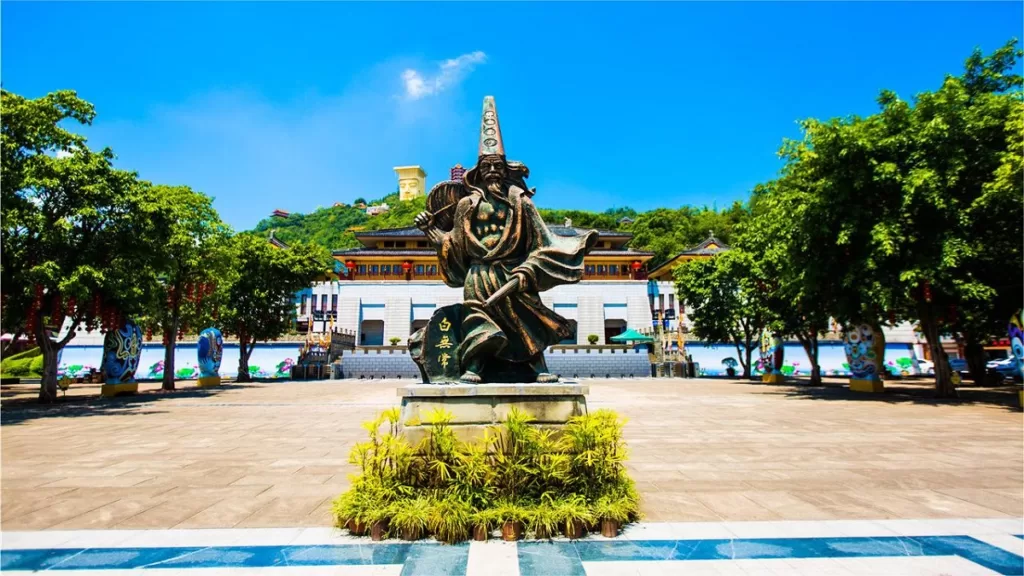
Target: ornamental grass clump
{"points": [[520, 478]]}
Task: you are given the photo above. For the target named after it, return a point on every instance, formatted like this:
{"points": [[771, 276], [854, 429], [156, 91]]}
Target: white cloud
{"points": [[62, 153], [449, 72]]}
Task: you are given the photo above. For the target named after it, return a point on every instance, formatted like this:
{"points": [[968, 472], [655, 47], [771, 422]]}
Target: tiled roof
{"points": [[274, 241], [698, 250], [577, 231], [407, 232], [703, 250], [385, 252], [430, 252], [414, 232], [620, 253]]}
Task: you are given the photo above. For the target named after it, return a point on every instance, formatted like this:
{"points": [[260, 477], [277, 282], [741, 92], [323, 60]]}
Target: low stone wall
{"points": [[567, 363], [599, 363], [379, 363]]}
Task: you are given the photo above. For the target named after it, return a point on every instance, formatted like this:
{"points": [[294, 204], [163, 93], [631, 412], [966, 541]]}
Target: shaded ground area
{"points": [[266, 455]]}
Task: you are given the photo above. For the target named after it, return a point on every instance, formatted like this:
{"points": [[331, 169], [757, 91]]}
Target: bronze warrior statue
{"points": [[492, 241]]}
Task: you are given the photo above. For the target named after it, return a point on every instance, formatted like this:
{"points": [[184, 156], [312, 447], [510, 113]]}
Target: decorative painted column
{"points": [[1017, 348], [772, 351], [210, 350], [865, 353], [121, 351]]}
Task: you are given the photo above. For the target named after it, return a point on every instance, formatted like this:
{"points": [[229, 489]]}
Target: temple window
{"points": [[374, 270], [385, 270], [432, 270], [602, 270], [613, 269], [419, 269], [588, 269], [362, 269]]}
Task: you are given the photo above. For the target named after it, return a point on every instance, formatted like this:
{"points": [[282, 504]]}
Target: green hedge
{"points": [[27, 364]]}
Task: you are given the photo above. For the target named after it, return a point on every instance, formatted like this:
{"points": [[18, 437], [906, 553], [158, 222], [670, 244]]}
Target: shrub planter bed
{"points": [[522, 477]]}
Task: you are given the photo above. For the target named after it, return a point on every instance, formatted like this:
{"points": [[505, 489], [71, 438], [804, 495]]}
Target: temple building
{"points": [[709, 247], [388, 287]]}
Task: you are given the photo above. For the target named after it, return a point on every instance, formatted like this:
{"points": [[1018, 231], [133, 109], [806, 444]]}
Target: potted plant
{"points": [[730, 366], [394, 340], [593, 338], [356, 509], [542, 521], [448, 520], [410, 518], [573, 515], [482, 522], [510, 516], [613, 513], [379, 525]]}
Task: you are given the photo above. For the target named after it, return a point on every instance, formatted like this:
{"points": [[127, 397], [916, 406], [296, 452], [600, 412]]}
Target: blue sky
{"points": [[291, 106]]}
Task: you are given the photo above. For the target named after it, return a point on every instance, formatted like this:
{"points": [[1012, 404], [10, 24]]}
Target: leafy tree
{"points": [[725, 301], [666, 232], [328, 227], [77, 242], [773, 237], [915, 212], [260, 303], [193, 255]]}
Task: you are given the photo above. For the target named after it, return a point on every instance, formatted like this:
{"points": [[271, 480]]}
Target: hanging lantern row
{"points": [[636, 265]]}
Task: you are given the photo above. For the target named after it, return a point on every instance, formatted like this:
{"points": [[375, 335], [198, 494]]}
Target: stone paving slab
{"points": [[275, 454]]}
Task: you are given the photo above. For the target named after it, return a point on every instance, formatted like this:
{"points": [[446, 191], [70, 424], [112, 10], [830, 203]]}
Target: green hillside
{"points": [[664, 231]]}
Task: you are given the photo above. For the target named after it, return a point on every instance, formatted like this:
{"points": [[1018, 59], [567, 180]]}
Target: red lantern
{"points": [[406, 265], [350, 264], [636, 265]]}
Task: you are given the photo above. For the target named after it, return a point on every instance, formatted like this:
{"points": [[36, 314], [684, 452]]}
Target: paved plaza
{"points": [[715, 460]]}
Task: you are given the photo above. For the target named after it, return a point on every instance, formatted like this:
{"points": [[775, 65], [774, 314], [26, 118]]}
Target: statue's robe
{"points": [[519, 327]]}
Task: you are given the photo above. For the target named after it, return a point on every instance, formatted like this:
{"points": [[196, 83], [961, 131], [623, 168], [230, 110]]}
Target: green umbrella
{"points": [[632, 336]]}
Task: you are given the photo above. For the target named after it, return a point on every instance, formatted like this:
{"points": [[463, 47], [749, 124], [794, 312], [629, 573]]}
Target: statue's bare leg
{"points": [[540, 367], [473, 370]]}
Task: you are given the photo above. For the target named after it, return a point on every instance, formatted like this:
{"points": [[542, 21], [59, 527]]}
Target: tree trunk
{"points": [[244, 351], [50, 349], [749, 353], [974, 353], [48, 385], [810, 344], [170, 327], [943, 377]]}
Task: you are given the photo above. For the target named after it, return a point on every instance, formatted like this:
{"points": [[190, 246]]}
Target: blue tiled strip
{"points": [[535, 558], [566, 558], [418, 559]]}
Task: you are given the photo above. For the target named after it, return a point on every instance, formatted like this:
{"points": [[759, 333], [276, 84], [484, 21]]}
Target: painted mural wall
{"points": [[270, 360], [274, 360], [899, 359]]}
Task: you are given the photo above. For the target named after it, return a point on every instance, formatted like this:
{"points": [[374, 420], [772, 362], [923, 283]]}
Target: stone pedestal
{"points": [[475, 407], [209, 381], [111, 390]]}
